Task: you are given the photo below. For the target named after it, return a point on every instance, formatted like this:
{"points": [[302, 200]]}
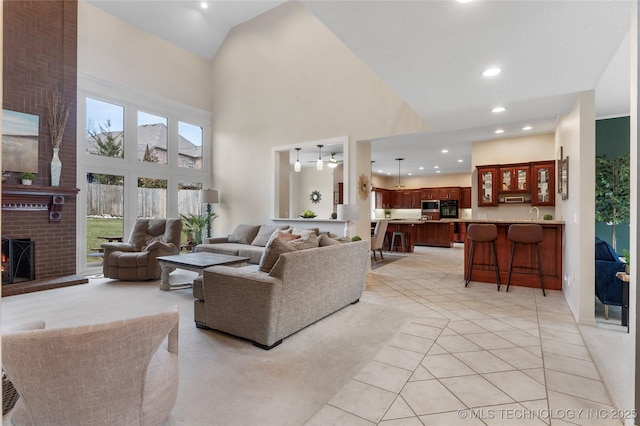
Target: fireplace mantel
{"points": [[31, 197]]}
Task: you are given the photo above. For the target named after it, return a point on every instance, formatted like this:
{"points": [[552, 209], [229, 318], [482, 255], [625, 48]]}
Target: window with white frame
{"points": [[137, 157]]}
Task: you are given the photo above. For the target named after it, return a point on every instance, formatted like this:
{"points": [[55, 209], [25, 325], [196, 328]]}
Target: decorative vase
{"points": [[56, 168]]}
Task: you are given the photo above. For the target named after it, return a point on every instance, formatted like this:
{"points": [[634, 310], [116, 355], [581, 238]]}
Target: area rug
{"points": [[225, 380], [388, 258]]}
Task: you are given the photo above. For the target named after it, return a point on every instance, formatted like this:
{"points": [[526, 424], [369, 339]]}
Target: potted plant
{"points": [[27, 178], [195, 224], [613, 194], [627, 260], [307, 214]]}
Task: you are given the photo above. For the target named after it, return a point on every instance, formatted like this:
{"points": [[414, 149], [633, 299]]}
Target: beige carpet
{"points": [[224, 380]]}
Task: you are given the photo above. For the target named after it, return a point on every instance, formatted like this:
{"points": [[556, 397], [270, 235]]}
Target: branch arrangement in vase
{"points": [[58, 114]]}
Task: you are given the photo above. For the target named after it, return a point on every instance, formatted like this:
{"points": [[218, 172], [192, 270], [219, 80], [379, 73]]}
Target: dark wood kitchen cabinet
{"points": [[465, 199]]}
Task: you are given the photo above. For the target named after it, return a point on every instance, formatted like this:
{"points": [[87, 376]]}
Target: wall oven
{"points": [[448, 209], [430, 206]]}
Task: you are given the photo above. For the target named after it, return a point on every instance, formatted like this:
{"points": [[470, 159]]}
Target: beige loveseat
{"points": [[302, 287]]}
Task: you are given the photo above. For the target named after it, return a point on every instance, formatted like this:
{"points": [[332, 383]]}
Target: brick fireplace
{"points": [[40, 57]]}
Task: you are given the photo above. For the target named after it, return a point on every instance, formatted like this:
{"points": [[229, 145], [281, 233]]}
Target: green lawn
{"points": [[97, 227]]}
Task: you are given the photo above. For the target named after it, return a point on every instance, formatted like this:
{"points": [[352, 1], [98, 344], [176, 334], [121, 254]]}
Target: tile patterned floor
{"points": [[470, 356]]}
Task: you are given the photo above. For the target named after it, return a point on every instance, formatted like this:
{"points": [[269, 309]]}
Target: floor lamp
{"points": [[347, 212], [208, 197]]}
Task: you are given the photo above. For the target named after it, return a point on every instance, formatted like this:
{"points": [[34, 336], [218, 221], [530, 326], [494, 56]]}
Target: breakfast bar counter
{"points": [[525, 270]]}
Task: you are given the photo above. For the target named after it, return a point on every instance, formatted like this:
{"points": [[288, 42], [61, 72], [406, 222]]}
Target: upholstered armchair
{"points": [[377, 239], [608, 286], [117, 373], [137, 259]]}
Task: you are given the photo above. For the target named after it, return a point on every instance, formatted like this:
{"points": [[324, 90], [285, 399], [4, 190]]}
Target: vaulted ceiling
{"points": [[433, 53]]}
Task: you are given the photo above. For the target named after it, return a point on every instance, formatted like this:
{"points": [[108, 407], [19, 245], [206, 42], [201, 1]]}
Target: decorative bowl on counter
{"points": [[307, 214]]}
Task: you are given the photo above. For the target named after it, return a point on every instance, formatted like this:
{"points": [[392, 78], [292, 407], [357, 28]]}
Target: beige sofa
{"points": [[245, 240], [302, 287]]}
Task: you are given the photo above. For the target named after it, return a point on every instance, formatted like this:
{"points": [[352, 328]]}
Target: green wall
{"points": [[612, 139]]}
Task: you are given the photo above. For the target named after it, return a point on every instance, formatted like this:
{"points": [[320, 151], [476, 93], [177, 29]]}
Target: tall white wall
{"points": [[309, 179], [113, 50], [284, 78], [576, 134]]}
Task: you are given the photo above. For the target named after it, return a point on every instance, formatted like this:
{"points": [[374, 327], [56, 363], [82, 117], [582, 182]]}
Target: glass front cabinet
{"points": [[544, 188], [514, 178], [487, 183]]}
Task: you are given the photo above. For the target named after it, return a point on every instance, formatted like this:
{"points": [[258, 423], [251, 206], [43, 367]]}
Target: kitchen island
{"points": [[525, 270], [435, 233]]}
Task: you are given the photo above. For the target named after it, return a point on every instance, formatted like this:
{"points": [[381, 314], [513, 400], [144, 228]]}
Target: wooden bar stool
{"points": [[525, 234], [401, 236], [482, 233]]}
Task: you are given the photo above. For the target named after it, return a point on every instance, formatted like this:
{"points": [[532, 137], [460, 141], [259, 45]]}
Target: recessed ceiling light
{"points": [[499, 109], [379, 171], [421, 168], [444, 151], [460, 160], [437, 171], [464, 1], [527, 128], [204, 5], [500, 131], [491, 72], [436, 167], [388, 173], [409, 174]]}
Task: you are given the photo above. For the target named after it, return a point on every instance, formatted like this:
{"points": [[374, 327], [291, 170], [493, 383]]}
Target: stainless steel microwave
{"points": [[431, 206]]}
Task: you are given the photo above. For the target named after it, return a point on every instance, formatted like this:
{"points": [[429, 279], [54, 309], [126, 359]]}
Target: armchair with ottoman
{"points": [[292, 287], [137, 259]]}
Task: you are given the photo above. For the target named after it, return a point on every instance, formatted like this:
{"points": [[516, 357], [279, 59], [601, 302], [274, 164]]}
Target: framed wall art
{"points": [[564, 177], [19, 141], [558, 169]]}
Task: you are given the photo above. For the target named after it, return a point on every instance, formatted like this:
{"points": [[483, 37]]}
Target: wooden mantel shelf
{"points": [[32, 197]]}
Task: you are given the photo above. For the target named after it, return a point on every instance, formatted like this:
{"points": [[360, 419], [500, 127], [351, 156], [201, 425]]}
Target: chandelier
{"points": [[400, 185]]}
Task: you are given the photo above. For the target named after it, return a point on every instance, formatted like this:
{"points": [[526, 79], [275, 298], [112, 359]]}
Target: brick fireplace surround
{"points": [[39, 57]]}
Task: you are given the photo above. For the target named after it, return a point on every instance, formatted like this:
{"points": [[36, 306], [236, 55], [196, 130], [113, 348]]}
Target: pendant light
{"points": [[333, 163], [297, 166], [319, 163], [400, 186]]}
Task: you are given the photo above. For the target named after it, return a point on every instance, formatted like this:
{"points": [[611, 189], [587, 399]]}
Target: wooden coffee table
{"points": [[196, 262]]}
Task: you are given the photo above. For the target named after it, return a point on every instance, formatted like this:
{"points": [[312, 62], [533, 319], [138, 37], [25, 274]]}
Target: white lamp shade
{"points": [[297, 166], [209, 196], [347, 211], [319, 164]]}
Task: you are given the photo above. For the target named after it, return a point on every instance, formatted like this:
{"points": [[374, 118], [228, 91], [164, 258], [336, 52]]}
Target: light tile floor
{"points": [[470, 356]]}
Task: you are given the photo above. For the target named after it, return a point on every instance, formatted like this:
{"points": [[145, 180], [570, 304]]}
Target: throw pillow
{"points": [[285, 237], [303, 243], [264, 234], [305, 232], [244, 234], [325, 240], [272, 253]]}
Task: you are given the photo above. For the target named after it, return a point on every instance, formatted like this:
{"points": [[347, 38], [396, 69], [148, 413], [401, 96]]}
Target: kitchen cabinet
{"points": [[465, 199], [383, 198], [396, 199], [544, 188], [430, 193], [515, 178], [434, 233], [411, 199], [449, 193], [487, 186]]}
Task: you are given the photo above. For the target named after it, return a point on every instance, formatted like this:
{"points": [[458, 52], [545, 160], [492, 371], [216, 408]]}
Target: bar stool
{"points": [[401, 236], [525, 234], [482, 233]]}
